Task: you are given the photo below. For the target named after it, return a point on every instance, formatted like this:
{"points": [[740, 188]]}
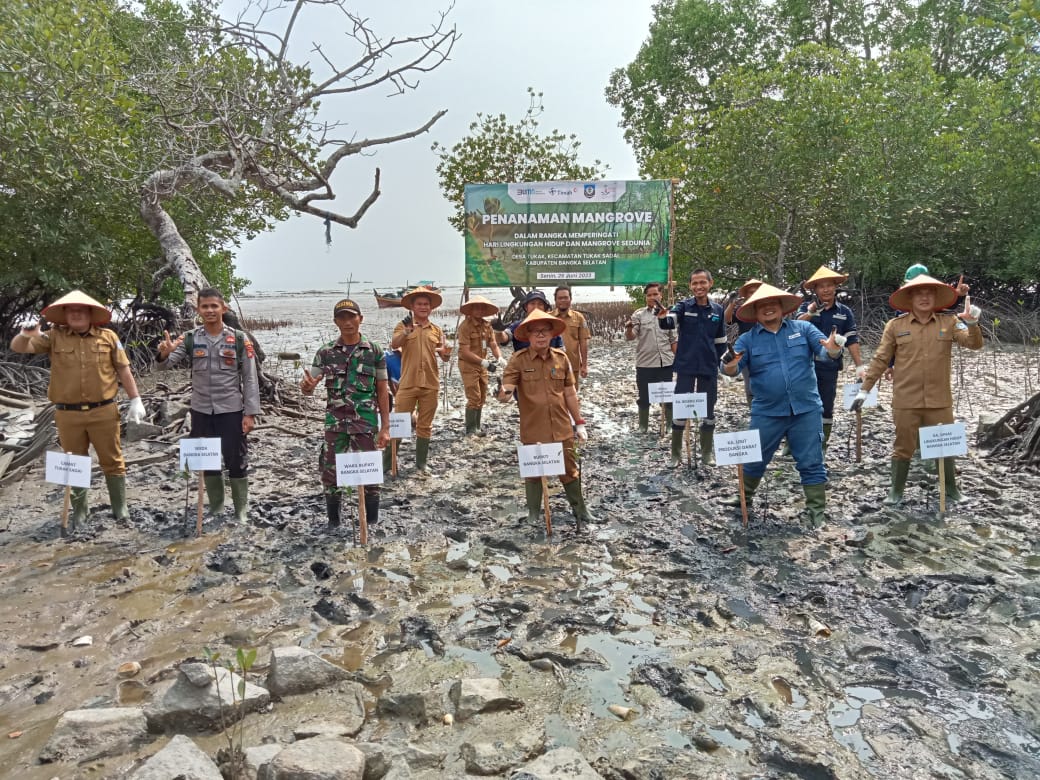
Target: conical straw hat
{"points": [[433, 295], [824, 273], [902, 299], [559, 326], [749, 287], [478, 306], [55, 313], [788, 302]]}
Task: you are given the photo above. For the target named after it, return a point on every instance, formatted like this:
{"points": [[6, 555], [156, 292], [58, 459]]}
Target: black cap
{"points": [[536, 295], [346, 304]]}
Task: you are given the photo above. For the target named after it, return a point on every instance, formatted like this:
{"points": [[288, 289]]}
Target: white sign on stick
{"points": [[661, 392], [200, 454], [849, 393], [689, 406], [400, 425], [359, 468], [738, 447], [540, 460], [943, 441], [63, 468]]}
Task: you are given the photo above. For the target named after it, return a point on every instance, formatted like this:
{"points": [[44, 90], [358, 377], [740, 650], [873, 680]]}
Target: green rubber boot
{"points": [[332, 505], [215, 493], [422, 454], [950, 472], [826, 434], [644, 419], [387, 462], [240, 498], [577, 502], [533, 494], [79, 501], [815, 504], [707, 446], [117, 496], [668, 415], [471, 423], [900, 470], [676, 459], [478, 422], [750, 486]]}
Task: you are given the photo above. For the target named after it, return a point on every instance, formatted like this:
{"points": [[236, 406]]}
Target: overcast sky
{"points": [[563, 48]]}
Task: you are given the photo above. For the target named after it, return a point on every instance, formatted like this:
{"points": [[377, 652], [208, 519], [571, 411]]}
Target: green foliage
{"points": [[497, 151]]}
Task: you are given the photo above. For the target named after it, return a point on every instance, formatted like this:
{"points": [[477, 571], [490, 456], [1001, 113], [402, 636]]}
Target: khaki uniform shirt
{"points": [[419, 362], [577, 333], [83, 368], [540, 383], [653, 343], [475, 335], [921, 372]]}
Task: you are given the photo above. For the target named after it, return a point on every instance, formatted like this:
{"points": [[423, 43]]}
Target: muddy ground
{"points": [[888, 644]]}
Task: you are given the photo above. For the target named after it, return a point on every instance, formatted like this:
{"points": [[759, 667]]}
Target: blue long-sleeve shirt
{"points": [[702, 336], [837, 316], [781, 364]]}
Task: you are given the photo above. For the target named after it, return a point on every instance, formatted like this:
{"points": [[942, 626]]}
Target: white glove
{"points": [[485, 363], [974, 313], [840, 339], [857, 402], [861, 372], [136, 412], [581, 433]]}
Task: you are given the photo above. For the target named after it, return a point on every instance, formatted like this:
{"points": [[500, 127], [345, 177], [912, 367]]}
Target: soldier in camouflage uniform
{"points": [[356, 385]]}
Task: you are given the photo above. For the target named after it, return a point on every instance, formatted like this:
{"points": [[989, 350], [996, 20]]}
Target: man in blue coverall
{"points": [[702, 342], [780, 355]]}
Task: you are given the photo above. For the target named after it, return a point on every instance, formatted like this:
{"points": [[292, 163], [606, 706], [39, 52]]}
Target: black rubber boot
{"points": [[676, 459], [371, 508], [900, 470], [533, 495], [332, 504], [644, 419]]}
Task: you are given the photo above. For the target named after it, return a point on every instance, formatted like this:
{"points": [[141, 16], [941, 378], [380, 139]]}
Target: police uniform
{"points": [[654, 355]]}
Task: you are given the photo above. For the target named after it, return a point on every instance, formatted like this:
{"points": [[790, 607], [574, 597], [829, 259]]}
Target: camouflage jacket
{"points": [[351, 372]]}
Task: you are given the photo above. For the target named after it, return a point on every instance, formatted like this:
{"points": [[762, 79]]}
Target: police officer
{"points": [[824, 311], [356, 387], [87, 366], [476, 337], [225, 394], [702, 343]]}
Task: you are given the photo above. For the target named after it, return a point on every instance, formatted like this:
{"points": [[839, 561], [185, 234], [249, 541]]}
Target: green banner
{"points": [[567, 232]]}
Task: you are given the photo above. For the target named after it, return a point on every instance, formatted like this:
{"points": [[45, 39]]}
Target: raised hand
{"points": [[168, 345], [970, 314], [831, 342], [961, 288]]}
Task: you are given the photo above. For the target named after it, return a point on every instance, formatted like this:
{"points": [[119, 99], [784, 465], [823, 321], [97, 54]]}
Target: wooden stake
{"points": [[545, 504], [942, 486], [65, 511], [393, 457], [743, 498], [859, 435], [362, 517], [201, 492], [687, 437]]}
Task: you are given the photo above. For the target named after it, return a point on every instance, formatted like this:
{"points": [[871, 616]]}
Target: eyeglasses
{"points": [[539, 332]]}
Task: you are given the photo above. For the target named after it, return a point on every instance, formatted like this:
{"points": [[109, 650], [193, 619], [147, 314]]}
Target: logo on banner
{"points": [[590, 190]]}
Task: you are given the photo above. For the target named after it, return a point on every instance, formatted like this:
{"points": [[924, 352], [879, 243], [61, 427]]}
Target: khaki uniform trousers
{"points": [[425, 398], [100, 427], [475, 383], [570, 465], [909, 422]]}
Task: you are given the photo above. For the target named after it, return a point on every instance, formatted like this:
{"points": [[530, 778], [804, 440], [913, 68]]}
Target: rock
{"points": [[377, 759], [129, 669], [560, 764], [83, 641], [199, 675], [462, 557], [181, 759], [858, 536], [406, 706], [295, 670], [171, 411], [315, 759], [258, 755], [420, 758], [85, 735], [495, 758], [183, 705], [326, 728], [482, 694], [137, 431]]}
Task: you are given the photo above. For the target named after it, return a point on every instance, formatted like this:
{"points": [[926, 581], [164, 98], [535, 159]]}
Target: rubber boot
{"points": [[676, 460], [644, 419], [79, 500], [371, 508], [708, 446], [668, 415], [750, 486], [332, 504], [577, 502], [815, 504], [471, 424], [387, 462], [826, 434], [950, 471], [422, 453], [478, 424], [900, 470], [117, 496], [240, 498], [215, 492], [533, 494]]}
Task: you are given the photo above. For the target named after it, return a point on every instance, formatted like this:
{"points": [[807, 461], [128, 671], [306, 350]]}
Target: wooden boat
{"points": [[390, 299]]}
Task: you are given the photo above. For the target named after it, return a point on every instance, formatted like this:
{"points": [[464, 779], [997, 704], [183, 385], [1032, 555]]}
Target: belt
{"points": [[83, 407]]}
